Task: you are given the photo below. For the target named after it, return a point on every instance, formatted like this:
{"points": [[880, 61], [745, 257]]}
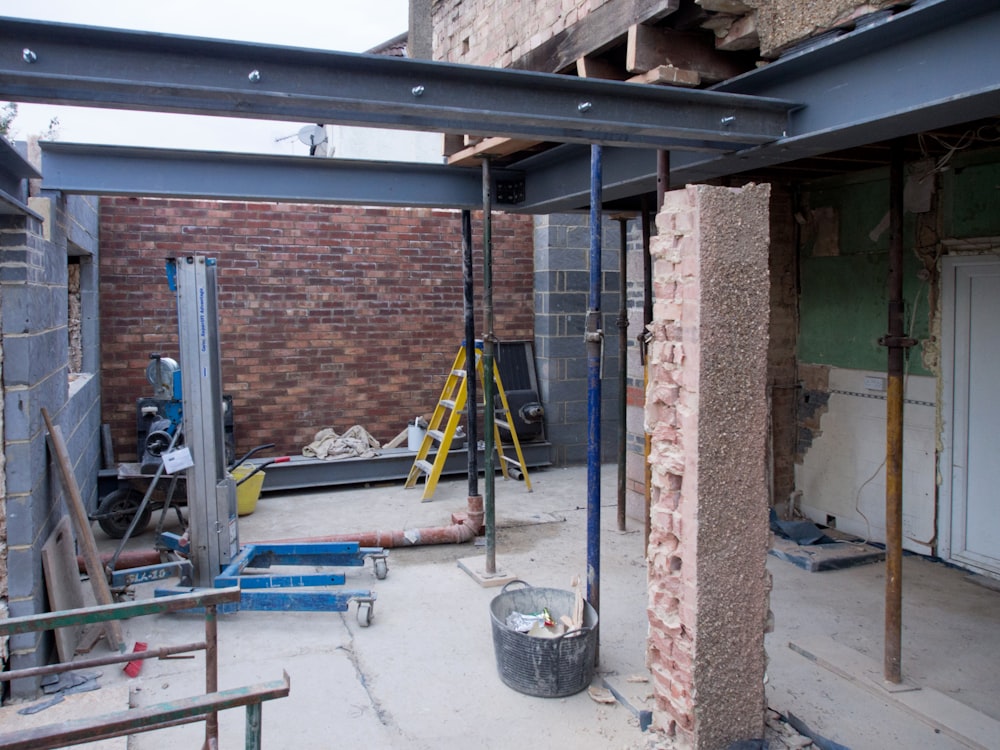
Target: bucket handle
{"points": [[511, 583], [572, 635]]}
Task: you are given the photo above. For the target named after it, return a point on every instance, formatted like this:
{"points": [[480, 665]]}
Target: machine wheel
{"points": [[116, 510], [381, 567], [364, 614]]}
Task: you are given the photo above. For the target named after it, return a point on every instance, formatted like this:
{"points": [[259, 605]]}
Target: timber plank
{"points": [[648, 47], [594, 33]]}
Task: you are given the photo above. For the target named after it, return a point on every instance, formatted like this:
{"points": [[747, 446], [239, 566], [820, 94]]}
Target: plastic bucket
{"points": [[247, 492], [543, 667]]}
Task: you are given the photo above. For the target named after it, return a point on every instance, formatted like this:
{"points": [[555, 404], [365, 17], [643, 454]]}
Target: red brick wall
{"points": [[329, 316]]}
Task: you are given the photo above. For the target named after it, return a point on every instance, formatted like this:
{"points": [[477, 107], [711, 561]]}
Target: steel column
{"points": [[472, 439], [594, 338], [622, 368], [894, 425], [489, 417]]}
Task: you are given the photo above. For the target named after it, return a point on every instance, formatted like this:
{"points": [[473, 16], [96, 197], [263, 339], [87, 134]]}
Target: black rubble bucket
{"points": [[543, 667]]}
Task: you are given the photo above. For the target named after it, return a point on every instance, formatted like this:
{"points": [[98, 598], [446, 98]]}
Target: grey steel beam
{"points": [[933, 65], [119, 170], [89, 66]]}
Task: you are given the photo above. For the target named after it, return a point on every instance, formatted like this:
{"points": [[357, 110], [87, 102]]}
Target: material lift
{"points": [[211, 543]]}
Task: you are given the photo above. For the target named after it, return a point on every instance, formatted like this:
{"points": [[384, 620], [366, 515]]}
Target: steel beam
{"points": [[933, 65], [117, 170], [89, 66]]}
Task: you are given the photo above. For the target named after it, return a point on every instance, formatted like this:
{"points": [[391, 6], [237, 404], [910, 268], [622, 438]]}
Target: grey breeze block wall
{"points": [[562, 284], [35, 255]]}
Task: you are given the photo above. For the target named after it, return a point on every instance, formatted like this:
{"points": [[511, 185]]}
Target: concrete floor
{"points": [[424, 675]]}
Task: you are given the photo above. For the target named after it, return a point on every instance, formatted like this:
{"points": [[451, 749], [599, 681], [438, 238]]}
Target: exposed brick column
{"points": [[707, 416]]}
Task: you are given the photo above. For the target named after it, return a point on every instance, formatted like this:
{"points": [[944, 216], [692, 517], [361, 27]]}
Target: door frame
{"points": [[954, 399]]}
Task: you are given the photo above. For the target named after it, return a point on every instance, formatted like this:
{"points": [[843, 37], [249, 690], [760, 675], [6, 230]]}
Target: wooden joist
{"points": [[472, 155], [668, 75]]}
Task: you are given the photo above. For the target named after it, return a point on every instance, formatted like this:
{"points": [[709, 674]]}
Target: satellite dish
{"points": [[313, 136]]}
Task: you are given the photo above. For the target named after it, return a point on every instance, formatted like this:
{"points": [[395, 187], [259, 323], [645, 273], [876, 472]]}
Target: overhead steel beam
{"points": [[119, 170], [89, 66], [933, 65]]}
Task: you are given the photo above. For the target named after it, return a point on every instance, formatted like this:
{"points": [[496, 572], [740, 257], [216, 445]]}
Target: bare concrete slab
{"points": [[939, 711]]}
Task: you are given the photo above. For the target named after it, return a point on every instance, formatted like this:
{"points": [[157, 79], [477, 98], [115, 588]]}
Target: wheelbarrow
{"points": [[139, 495]]}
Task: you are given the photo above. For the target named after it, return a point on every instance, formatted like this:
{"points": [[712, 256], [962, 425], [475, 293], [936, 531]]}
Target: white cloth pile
{"points": [[354, 443]]}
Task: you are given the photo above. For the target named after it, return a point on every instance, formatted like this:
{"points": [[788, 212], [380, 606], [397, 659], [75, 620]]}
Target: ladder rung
{"points": [[510, 460], [447, 403], [436, 434], [459, 373], [425, 466], [501, 423]]}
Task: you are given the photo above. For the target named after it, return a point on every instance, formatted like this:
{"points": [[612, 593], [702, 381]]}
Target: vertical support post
{"points": [[894, 424], [211, 671], [489, 506], [472, 442], [253, 731], [594, 338], [647, 318], [622, 367], [211, 491]]}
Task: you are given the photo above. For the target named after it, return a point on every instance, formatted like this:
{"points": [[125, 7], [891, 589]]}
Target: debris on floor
{"points": [[60, 685], [811, 548]]}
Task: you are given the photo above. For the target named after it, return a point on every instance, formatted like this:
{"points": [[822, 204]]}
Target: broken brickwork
{"points": [[706, 413]]}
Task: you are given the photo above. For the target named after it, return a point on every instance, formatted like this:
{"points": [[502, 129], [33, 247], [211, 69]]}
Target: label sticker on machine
{"points": [[177, 460]]}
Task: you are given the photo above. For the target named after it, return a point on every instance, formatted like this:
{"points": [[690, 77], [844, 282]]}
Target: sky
{"points": [[343, 25]]}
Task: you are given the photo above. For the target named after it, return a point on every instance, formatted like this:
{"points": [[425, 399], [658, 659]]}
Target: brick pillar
{"points": [[706, 413]]}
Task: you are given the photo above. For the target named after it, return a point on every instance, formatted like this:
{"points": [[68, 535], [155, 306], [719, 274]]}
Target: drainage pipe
{"points": [[622, 366], [896, 344], [594, 339], [489, 469], [470, 356], [464, 527]]}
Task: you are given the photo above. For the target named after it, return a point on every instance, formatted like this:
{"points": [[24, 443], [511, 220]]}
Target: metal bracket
{"points": [[510, 192]]}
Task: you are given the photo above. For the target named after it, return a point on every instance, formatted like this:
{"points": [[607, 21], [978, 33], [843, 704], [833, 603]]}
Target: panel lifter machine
{"points": [[211, 542]]}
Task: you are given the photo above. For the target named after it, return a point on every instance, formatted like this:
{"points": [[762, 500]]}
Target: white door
{"points": [[971, 460]]}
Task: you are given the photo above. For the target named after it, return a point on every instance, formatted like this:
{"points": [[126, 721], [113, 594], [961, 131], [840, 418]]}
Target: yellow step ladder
{"points": [[444, 423]]}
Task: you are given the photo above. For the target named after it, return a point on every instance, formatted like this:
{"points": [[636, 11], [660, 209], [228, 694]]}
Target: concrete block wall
{"points": [[562, 283], [35, 343], [329, 316], [706, 413]]}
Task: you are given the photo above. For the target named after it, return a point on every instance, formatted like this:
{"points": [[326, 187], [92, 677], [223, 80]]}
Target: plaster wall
{"points": [[706, 413], [842, 476]]}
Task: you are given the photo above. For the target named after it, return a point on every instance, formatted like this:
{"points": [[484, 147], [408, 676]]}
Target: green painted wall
{"points": [[843, 259], [843, 302]]}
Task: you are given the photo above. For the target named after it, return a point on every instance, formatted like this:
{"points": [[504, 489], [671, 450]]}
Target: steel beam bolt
{"points": [[727, 121], [417, 91], [254, 76], [28, 55], [584, 106]]}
